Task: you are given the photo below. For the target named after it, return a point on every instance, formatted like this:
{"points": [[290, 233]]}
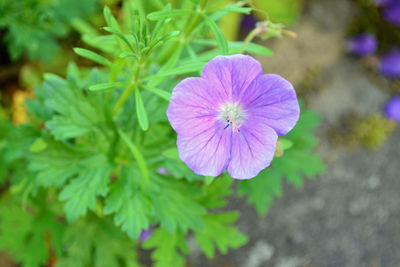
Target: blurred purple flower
{"points": [[231, 116], [390, 64], [248, 22], [362, 44], [392, 109], [146, 234], [385, 2], [162, 170], [391, 13]]}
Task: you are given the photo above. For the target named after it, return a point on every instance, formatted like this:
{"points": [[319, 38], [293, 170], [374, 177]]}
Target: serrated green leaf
{"points": [[97, 243], [176, 211], [216, 192], [131, 207], [80, 195], [93, 56], [217, 234], [164, 14], [141, 111], [261, 189], [59, 162], [167, 248], [219, 36]]}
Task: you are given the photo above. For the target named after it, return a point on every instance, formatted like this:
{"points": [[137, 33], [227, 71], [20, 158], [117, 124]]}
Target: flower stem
{"points": [[248, 39]]}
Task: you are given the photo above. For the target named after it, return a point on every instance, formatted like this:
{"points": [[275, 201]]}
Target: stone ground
{"points": [[350, 215]]}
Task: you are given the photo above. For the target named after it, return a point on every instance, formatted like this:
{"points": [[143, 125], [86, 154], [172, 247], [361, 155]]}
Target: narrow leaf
{"points": [[161, 93], [137, 154], [159, 15], [219, 36], [141, 111], [93, 56], [105, 86]]}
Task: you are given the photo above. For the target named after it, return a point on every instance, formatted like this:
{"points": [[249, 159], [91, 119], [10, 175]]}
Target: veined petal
{"points": [[207, 153], [253, 149], [272, 100], [193, 106], [231, 75]]}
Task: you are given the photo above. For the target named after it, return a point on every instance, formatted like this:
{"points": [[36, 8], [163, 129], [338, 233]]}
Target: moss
{"points": [[371, 131]]}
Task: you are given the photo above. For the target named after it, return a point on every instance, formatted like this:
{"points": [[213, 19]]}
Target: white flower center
{"points": [[233, 115]]}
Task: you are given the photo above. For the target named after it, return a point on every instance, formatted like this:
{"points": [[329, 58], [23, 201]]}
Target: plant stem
{"points": [[125, 95], [248, 39], [186, 32]]}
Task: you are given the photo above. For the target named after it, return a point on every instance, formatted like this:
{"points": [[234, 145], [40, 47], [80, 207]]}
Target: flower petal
{"points": [[208, 152], [253, 149], [231, 75], [272, 100], [193, 106]]}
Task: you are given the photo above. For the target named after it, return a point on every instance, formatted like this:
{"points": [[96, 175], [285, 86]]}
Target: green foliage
{"points": [[298, 161], [168, 248], [30, 235], [218, 234], [96, 242], [97, 162], [33, 26]]}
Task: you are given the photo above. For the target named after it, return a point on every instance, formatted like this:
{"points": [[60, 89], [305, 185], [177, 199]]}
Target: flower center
{"points": [[233, 115]]}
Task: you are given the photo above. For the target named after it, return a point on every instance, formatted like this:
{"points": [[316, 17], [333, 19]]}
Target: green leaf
{"points": [[172, 153], [93, 56], [235, 9], [141, 111], [216, 192], [179, 70], [59, 162], [164, 14], [167, 248], [296, 163], [262, 189], [161, 93], [106, 86], [120, 36], [176, 210], [110, 20], [285, 143], [130, 205], [218, 234], [219, 36], [137, 154], [96, 242], [235, 47], [38, 146], [80, 195], [26, 236]]}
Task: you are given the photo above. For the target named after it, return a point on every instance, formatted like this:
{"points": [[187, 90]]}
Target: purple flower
{"points": [[248, 22], [390, 64], [146, 234], [385, 2], [392, 109], [362, 44], [231, 116], [391, 13]]}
